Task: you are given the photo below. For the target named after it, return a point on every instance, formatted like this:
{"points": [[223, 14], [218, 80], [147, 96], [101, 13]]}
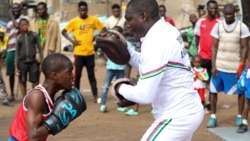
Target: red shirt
{"points": [[203, 28], [170, 20], [18, 127]]}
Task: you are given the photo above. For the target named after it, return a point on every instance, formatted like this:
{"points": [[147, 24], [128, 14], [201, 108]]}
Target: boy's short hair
{"points": [[114, 6], [82, 3], [44, 4], [54, 63], [23, 19]]}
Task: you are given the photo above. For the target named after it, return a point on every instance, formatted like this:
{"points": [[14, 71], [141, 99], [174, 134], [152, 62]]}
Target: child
{"points": [[37, 105], [25, 56], [3, 46], [200, 76], [113, 71], [130, 37]]}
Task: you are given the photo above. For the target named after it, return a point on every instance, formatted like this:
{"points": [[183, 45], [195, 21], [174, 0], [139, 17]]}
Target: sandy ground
{"points": [[116, 126]]}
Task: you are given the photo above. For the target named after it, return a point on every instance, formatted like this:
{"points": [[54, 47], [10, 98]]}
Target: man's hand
{"points": [[240, 69], [76, 43], [214, 71]]}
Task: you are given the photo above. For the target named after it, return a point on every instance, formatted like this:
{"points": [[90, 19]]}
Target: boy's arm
{"points": [[39, 48], [13, 19], [35, 103]]}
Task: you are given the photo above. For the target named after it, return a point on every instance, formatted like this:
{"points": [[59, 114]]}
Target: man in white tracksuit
{"points": [[166, 79]]}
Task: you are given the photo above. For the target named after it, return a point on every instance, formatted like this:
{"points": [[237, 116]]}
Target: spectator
{"points": [[83, 29], [203, 39], [116, 19], [25, 58], [162, 12], [3, 46], [192, 47], [48, 30], [114, 71], [12, 32], [200, 77], [228, 60]]}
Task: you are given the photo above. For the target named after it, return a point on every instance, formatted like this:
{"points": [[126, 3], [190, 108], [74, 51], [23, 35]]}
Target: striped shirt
{"points": [[12, 32]]}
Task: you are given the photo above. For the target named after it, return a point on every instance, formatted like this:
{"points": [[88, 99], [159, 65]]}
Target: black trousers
{"points": [[89, 63]]}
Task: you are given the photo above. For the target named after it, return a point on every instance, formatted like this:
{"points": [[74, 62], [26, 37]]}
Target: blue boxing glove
{"points": [[67, 107], [242, 82]]}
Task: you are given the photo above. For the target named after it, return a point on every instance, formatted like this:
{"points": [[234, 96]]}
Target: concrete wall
{"points": [[177, 9]]}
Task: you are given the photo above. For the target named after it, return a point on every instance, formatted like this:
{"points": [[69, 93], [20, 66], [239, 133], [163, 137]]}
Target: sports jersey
{"points": [[166, 79], [83, 30], [203, 28], [18, 127]]}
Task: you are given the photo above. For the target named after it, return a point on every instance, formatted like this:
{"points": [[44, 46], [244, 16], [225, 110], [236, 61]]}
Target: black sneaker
{"points": [[242, 128]]}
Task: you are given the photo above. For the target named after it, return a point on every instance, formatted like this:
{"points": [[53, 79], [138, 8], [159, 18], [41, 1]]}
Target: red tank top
{"points": [[17, 128]]}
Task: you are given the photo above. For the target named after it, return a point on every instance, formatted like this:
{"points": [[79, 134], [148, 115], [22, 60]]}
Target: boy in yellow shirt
{"points": [[83, 27]]}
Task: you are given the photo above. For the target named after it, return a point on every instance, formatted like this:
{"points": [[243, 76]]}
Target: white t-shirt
{"points": [[113, 21], [166, 79], [230, 27]]}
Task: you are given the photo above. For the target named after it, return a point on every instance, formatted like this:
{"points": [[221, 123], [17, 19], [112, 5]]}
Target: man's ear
{"points": [[143, 16]]}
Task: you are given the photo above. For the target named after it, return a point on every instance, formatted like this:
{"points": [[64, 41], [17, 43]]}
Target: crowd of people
{"points": [[211, 62]]}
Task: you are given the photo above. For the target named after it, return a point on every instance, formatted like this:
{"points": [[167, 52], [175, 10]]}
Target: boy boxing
{"points": [[39, 114]]}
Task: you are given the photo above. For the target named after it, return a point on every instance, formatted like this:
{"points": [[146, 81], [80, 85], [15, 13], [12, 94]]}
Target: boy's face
{"points": [[197, 62], [24, 26], [65, 77], [162, 11], [41, 10], [83, 11], [116, 12]]}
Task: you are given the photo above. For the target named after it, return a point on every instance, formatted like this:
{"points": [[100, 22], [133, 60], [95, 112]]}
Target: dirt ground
{"points": [[93, 125]]}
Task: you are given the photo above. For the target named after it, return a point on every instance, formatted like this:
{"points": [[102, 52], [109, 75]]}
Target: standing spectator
{"points": [[204, 40], [25, 58], [244, 125], [48, 30], [116, 19], [12, 32], [162, 12], [3, 46], [166, 79], [228, 60], [200, 78], [192, 47], [83, 29], [114, 71]]}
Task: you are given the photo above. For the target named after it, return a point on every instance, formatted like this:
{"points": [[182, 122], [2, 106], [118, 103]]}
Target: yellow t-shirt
{"points": [[83, 31]]}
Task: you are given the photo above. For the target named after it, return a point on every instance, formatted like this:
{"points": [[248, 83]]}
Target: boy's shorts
{"points": [[226, 82], [10, 63], [29, 67], [12, 139]]}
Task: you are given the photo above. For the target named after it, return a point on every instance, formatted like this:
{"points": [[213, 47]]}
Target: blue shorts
{"points": [[12, 139], [247, 95], [224, 82]]}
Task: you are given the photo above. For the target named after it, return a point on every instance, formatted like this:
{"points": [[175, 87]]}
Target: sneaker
{"points": [[122, 109], [131, 112], [103, 108], [6, 102], [242, 128], [212, 123], [238, 121]]}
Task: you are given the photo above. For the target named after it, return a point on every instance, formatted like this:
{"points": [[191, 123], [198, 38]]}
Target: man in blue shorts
{"points": [[228, 60]]}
